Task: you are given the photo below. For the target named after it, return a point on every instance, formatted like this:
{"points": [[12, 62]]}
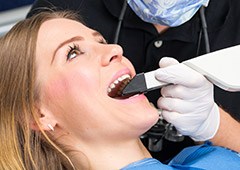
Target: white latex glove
{"points": [[188, 103]]}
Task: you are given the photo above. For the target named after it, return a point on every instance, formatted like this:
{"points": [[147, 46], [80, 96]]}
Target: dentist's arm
{"points": [[189, 105], [228, 134]]}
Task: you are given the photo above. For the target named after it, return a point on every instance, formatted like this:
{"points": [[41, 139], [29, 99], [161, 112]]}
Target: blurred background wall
{"points": [[11, 11]]}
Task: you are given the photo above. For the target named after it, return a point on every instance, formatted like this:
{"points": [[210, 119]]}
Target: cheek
{"points": [[66, 87]]}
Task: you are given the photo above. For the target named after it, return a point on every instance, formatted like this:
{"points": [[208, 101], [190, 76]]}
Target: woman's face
{"points": [[75, 69]]}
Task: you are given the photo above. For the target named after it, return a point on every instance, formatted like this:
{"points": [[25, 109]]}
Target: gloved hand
{"points": [[187, 103]]}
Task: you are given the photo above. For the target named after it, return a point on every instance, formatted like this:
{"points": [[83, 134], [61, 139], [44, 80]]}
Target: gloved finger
{"points": [[180, 74], [167, 61], [170, 117], [178, 91], [174, 119], [184, 123], [176, 105]]}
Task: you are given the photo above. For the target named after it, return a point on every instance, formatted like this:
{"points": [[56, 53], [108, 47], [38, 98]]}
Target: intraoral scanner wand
{"points": [[221, 67]]}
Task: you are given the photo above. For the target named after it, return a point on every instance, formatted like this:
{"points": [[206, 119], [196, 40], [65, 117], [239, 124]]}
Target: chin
{"points": [[148, 119]]}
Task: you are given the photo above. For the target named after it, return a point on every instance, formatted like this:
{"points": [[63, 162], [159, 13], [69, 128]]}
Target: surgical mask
{"points": [[166, 12]]}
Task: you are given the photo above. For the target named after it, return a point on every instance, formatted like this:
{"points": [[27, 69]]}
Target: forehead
{"points": [[60, 28]]}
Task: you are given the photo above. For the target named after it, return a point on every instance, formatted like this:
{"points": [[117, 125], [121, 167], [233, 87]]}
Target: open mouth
{"points": [[116, 87]]}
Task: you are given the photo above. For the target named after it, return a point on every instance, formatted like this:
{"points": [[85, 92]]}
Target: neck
{"points": [[97, 155], [160, 28]]}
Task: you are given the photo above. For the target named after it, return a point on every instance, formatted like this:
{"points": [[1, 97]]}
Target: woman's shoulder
{"points": [[207, 156], [147, 164]]}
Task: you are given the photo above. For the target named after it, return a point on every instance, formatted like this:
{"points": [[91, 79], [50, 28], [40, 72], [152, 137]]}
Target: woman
{"points": [[60, 108], [157, 41]]}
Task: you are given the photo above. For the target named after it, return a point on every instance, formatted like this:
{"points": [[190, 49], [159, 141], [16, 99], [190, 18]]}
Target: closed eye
{"points": [[102, 41]]}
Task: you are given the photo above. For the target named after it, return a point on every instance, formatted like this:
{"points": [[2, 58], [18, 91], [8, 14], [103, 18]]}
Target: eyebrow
{"points": [[76, 38]]}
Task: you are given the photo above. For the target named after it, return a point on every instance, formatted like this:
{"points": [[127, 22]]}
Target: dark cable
{"points": [[120, 19], [199, 42], [204, 28]]}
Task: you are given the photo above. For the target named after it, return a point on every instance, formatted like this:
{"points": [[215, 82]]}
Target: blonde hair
{"points": [[20, 147]]}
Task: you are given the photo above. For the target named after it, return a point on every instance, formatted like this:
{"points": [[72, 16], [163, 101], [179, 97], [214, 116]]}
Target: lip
{"points": [[133, 99], [119, 74]]}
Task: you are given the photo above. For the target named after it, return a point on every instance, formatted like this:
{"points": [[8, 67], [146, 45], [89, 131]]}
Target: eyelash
{"points": [[102, 41], [74, 49]]}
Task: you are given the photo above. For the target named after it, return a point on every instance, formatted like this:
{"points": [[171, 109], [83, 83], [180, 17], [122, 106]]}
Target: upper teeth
{"points": [[119, 80]]}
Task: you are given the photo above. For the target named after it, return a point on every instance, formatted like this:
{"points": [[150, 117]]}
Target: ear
{"points": [[47, 121]]}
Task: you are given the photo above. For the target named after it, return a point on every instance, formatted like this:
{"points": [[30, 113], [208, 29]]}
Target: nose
{"points": [[111, 53]]}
